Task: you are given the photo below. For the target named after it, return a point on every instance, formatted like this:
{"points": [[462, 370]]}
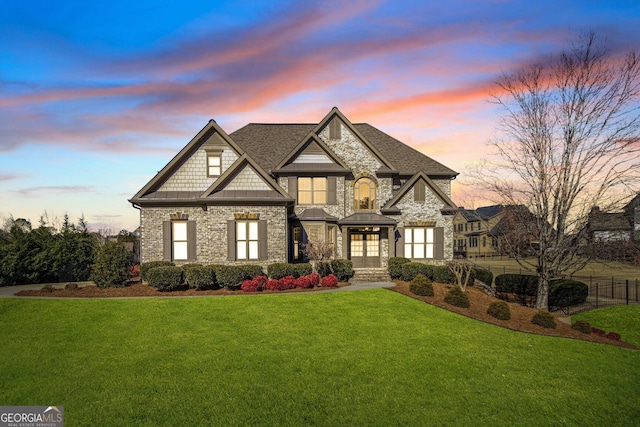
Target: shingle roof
{"points": [[269, 144]]}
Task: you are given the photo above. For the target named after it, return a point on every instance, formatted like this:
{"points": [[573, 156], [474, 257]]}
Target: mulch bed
{"points": [[520, 315]]}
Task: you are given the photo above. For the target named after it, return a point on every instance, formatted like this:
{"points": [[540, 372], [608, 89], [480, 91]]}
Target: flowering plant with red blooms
{"points": [[273, 285], [314, 278], [288, 282], [134, 271], [329, 281], [304, 282], [256, 284]]}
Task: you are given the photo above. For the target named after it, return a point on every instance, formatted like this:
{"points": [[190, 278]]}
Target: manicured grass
{"points": [[623, 319], [346, 358]]}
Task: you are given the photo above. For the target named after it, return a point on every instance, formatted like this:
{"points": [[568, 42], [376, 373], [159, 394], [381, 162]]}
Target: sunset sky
{"points": [[96, 97]]}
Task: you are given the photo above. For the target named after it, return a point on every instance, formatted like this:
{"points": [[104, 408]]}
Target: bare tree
{"points": [[569, 142], [462, 271]]}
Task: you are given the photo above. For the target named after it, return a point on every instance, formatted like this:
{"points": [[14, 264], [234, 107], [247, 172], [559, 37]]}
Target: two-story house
{"points": [[472, 231], [258, 194]]}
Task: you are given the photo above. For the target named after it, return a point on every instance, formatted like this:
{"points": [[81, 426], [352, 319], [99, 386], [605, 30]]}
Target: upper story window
{"points": [[364, 194], [312, 191], [214, 164]]}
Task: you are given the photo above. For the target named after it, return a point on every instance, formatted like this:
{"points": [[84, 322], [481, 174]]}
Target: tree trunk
{"points": [[542, 300]]}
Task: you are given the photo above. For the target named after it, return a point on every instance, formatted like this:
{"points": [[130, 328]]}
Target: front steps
{"points": [[370, 275]]}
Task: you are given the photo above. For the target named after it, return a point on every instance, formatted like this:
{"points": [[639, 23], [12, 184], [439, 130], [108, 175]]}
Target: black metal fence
{"points": [[603, 290]]}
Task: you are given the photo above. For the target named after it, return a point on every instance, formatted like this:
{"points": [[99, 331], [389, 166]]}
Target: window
{"points": [[494, 242], [331, 236], [247, 240], [473, 242], [297, 239], [364, 194], [214, 164], [419, 242], [312, 191], [484, 242], [179, 243]]}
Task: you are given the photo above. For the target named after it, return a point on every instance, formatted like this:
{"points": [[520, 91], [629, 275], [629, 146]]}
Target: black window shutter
{"points": [[262, 239], [191, 241], [231, 240], [400, 242], [332, 184], [166, 240], [439, 242], [293, 187]]}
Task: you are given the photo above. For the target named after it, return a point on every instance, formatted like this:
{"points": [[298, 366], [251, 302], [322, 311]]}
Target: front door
{"points": [[364, 249]]}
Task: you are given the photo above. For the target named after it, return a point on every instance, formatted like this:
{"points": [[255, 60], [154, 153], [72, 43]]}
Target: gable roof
{"points": [[481, 213], [313, 138], [407, 186]]}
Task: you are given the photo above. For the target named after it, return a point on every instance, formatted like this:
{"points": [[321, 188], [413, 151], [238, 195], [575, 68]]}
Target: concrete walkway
{"points": [[10, 291]]}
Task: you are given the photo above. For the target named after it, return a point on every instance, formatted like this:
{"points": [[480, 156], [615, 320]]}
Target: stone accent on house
{"points": [[211, 231], [247, 179], [429, 210], [192, 175], [352, 151], [445, 186]]}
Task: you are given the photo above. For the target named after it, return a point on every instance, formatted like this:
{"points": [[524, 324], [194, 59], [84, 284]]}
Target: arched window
{"points": [[364, 194]]}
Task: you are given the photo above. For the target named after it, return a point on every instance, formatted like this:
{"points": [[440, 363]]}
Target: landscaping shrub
{"points": [[324, 268], [457, 297], [566, 293], [395, 266], [166, 278], [442, 274], [598, 332], [273, 285], [613, 336], [411, 269], [278, 270], [47, 288], [200, 277], [421, 285], [544, 319], [146, 266], [134, 271], [230, 276], [500, 310], [342, 269], [485, 276], [329, 281], [110, 266], [303, 282], [250, 270], [523, 286], [582, 326], [256, 284], [70, 286], [288, 282], [314, 278], [302, 269]]}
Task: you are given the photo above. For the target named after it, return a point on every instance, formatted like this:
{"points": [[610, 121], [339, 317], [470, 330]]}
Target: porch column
{"points": [[345, 243], [391, 239]]}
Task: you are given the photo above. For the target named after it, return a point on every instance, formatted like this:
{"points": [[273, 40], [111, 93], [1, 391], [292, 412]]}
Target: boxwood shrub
{"points": [[544, 319], [278, 270], [200, 277], [146, 266], [342, 269], [582, 326], [232, 276], [165, 278], [442, 274], [500, 310], [566, 293], [421, 285], [302, 269], [411, 269], [324, 268], [394, 266], [457, 297]]}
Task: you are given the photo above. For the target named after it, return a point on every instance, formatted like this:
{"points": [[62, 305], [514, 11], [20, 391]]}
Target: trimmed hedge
{"points": [[165, 278], [200, 277], [442, 274], [544, 319], [342, 269], [421, 285], [278, 270], [566, 293], [485, 276], [232, 276], [394, 266], [582, 326], [521, 284], [457, 297], [323, 268], [302, 269], [329, 281], [109, 268], [500, 310], [411, 269], [146, 266]]}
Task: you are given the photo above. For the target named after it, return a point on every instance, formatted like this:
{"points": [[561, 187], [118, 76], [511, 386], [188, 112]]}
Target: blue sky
{"points": [[96, 97]]}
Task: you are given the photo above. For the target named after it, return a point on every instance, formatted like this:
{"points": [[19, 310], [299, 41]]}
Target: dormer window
{"points": [[214, 164], [364, 194]]}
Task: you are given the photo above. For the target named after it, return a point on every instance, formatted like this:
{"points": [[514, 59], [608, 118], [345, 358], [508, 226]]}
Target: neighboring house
{"points": [[609, 226], [472, 228], [258, 194]]}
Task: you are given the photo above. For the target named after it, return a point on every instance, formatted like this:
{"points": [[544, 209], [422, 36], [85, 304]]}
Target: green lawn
{"points": [[623, 319], [345, 358]]}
